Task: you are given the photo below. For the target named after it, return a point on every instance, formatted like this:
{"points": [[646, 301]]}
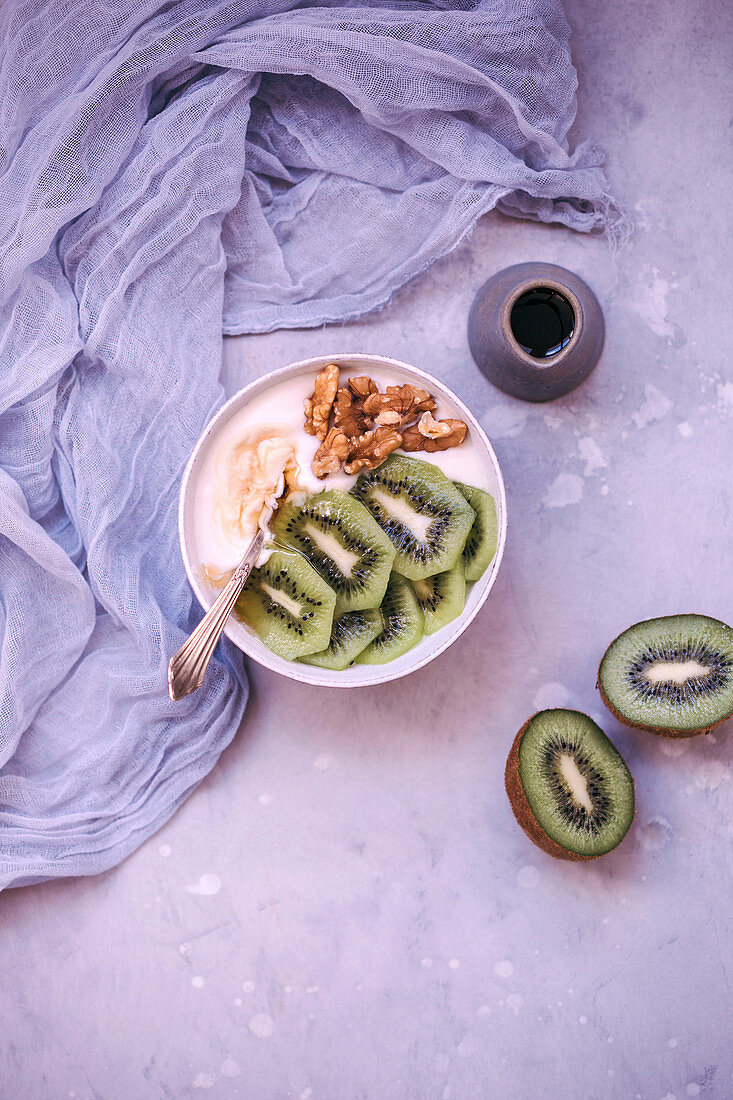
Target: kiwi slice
{"points": [[442, 597], [288, 605], [351, 632], [480, 548], [402, 624], [421, 510], [672, 676], [569, 787], [343, 542]]}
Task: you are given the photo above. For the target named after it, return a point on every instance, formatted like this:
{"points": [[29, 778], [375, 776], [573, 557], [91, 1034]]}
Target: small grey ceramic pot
{"points": [[508, 364]]}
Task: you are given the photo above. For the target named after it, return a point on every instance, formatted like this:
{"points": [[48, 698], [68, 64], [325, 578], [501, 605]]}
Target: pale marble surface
{"points": [[346, 908]]}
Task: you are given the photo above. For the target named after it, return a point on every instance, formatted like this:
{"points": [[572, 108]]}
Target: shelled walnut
{"points": [[362, 387], [348, 415], [371, 449], [398, 405], [441, 435], [318, 406], [332, 453]]}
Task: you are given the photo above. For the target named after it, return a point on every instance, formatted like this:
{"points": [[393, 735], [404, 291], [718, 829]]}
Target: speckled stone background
{"points": [[346, 908]]}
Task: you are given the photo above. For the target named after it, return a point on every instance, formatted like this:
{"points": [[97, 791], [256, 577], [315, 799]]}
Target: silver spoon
{"points": [[187, 667]]}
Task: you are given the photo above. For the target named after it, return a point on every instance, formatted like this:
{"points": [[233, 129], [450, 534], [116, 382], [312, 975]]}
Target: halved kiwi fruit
{"points": [[402, 624], [569, 786], [442, 597], [344, 544], [422, 512], [288, 605], [672, 675], [350, 634], [480, 548]]}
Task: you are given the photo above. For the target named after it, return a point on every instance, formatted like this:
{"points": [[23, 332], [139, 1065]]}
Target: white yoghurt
{"points": [[245, 466]]}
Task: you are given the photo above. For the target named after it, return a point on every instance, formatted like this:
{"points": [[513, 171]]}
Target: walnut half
{"points": [[333, 451], [433, 435], [371, 449], [398, 405], [348, 415], [318, 406], [362, 387]]}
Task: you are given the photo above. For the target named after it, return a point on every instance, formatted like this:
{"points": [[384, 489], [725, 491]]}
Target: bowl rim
{"points": [[310, 674]]}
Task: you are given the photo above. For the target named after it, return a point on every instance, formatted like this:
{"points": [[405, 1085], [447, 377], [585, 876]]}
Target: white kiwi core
{"points": [[401, 510], [280, 597], [345, 559], [675, 672], [576, 781]]}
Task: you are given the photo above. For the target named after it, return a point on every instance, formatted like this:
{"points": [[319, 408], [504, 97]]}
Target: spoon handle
{"points": [[187, 667]]}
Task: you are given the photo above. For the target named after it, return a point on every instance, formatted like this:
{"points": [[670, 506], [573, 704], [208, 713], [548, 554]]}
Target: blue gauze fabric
{"points": [[171, 171]]}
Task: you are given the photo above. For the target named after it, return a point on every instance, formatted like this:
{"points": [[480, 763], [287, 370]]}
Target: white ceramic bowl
{"points": [[430, 646]]}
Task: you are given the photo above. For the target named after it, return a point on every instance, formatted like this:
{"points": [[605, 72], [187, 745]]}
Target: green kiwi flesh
{"points": [[351, 633], [480, 548], [288, 605], [402, 624], [442, 597], [342, 541], [672, 675], [426, 518], [569, 787]]}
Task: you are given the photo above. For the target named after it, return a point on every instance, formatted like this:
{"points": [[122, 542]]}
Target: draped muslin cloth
{"points": [[172, 171]]}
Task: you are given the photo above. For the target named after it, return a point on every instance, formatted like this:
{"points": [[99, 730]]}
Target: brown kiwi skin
{"points": [[522, 810], [659, 731]]}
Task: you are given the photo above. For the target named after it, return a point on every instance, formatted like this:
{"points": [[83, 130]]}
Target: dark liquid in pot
{"points": [[542, 321]]}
